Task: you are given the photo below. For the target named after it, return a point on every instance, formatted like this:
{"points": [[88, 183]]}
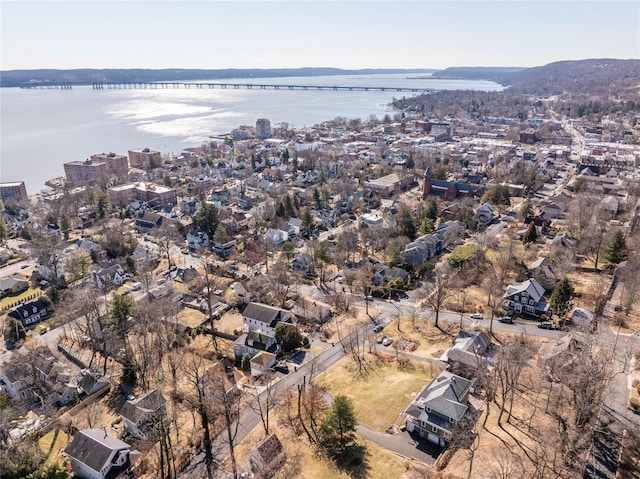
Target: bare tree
{"points": [[263, 402], [438, 290], [509, 364]]}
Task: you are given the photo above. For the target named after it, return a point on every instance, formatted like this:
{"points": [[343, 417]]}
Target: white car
{"points": [[477, 316], [387, 341]]}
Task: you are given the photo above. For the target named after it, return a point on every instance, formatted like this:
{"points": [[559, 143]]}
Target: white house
{"points": [[197, 239], [261, 363], [108, 277], [485, 213], [276, 236], [94, 454], [265, 318]]}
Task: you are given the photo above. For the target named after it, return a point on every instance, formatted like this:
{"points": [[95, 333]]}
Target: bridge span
{"points": [[223, 86]]}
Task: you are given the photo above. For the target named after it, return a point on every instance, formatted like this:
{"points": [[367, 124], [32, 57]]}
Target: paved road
{"points": [[249, 419]]}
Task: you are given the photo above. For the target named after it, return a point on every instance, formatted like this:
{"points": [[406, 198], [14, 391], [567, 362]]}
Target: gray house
{"points": [[265, 318], [139, 415], [252, 343], [94, 454], [526, 297], [438, 407]]}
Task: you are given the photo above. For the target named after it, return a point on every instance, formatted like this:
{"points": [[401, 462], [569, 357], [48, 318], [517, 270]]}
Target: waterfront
{"points": [[41, 129]]}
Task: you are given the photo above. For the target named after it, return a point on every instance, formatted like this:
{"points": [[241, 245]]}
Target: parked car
{"points": [[281, 366], [136, 286], [477, 316], [378, 328], [506, 319], [547, 325], [381, 339], [387, 342]]}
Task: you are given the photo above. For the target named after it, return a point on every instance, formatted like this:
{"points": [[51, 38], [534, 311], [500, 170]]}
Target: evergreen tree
{"points": [[410, 164], [561, 297], [288, 206], [338, 428], [287, 250], [432, 210], [206, 218], [65, 226], [531, 235], [426, 227], [406, 223], [316, 197], [307, 222], [220, 236], [280, 210], [526, 209], [616, 249], [288, 337], [497, 195], [102, 205], [4, 232]]}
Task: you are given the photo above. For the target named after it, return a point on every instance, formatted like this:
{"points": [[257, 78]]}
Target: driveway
{"points": [[403, 443]]}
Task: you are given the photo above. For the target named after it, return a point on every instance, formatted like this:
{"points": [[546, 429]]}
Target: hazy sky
{"points": [[268, 34]]}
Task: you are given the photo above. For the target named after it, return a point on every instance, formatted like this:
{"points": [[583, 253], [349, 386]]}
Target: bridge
{"points": [[223, 86]]}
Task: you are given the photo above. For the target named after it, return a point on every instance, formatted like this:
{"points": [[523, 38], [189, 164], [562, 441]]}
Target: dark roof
{"points": [[268, 315], [269, 449], [147, 404], [258, 340], [93, 447], [444, 395], [27, 309]]}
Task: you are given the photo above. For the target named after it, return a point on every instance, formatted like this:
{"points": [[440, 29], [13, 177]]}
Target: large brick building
{"points": [[150, 193], [144, 158], [117, 165], [80, 173], [15, 191]]}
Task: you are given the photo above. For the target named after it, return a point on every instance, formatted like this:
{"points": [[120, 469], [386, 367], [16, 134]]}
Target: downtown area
{"points": [[450, 290]]}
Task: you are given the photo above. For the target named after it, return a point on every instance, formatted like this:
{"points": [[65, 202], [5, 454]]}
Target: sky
{"points": [[293, 34]]}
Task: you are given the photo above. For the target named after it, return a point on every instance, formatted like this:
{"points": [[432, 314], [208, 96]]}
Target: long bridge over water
{"points": [[213, 85]]}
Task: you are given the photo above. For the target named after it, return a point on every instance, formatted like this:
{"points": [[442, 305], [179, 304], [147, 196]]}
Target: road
{"points": [[249, 418]]}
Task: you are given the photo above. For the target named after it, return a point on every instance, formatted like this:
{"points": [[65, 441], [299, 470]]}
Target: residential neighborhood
{"points": [[450, 284]]}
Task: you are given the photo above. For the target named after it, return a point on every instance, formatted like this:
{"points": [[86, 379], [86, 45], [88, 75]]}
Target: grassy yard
{"points": [[53, 449], [303, 463], [13, 300], [383, 395]]}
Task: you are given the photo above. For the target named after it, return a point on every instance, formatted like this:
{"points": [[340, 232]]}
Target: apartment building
{"points": [[15, 191], [80, 173], [144, 158], [116, 164], [150, 193]]}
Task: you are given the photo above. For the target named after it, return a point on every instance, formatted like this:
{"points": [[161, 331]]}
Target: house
{"points": [[94, 454], [276, 236], [423, 249], [261, 363], [241, 292], [485, 213], [252, 343], [224, 250], [139, 415], [265, 318], [267, 457], [29, 313], [143, 256], [438, 407], [197, 240], [146, 221], [108, 277], [92, 249], [312, 311], [560, 357], [383, 274], [543, 273], [448, 190], [526, 297], [90, 383], [468, 348], [13, 285], [303, 262], [50, 267]]}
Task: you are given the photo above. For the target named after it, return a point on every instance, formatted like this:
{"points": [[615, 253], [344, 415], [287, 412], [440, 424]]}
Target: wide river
{"points": [[40, 129]]}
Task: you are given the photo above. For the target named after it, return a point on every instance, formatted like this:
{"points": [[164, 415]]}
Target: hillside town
{"points": [[424, 295]]}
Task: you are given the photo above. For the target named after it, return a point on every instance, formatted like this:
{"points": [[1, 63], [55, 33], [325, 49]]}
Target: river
{"points": [[40, 129]]}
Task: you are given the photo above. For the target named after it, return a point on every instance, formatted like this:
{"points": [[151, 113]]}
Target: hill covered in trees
{"points": [[17, 78], [602, 77]]}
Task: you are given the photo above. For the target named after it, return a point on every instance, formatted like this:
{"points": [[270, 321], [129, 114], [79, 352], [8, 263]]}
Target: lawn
{"points": [[303, 463], [13, 300], [53, 449], [380, 398]]}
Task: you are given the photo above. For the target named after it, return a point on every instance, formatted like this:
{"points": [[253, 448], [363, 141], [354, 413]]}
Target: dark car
{"points": [[506, 320], [378, 328]]}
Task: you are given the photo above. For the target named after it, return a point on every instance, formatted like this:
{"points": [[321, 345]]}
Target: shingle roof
{"points": [[93, 447], [147, 404], [444, 395], [264, 313]]}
